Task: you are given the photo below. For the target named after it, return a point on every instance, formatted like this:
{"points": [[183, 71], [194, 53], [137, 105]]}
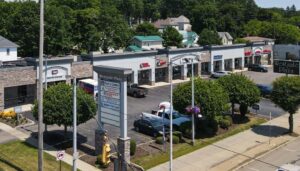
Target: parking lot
{"points": [[156, 95]]}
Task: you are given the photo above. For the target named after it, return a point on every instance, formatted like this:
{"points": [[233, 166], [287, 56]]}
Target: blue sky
{"points": [[278, 3]]}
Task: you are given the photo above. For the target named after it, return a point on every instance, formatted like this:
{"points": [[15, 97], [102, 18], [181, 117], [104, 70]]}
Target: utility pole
{"points": [[40, 90], [193, 105], [74, 125], [171, 111], [46, 70]]}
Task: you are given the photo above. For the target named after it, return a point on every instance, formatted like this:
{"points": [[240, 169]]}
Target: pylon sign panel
{"points": [[110, 103]]}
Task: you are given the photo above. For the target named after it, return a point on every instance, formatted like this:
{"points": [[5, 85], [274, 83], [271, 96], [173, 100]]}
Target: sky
{"points": [[278, 3]]}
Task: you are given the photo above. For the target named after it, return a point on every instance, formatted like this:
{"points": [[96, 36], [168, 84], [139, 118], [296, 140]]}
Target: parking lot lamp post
{"points": [[193, 104], [171, 110]]}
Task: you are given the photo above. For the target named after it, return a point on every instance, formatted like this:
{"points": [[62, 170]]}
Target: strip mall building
{"points": [[18, 83]]}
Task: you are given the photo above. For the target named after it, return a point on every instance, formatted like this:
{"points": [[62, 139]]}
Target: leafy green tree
{"points": [[240, 40], [209, 37], [146, 29], [209, 96], [286, 94], [241, 90], [172, 37], [58, 106]]}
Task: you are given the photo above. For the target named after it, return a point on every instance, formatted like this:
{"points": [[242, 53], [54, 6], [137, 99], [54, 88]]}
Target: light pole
{"points": [[170, 64], [40, 90], [193, 104], [75, 155]]}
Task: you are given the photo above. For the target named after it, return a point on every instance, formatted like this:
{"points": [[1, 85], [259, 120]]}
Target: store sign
{"points": [[144, 65], [110, 101], [287, 67], [218, 57], [55, 73]]}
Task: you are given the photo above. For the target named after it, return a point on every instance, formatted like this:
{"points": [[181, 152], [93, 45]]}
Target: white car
{"points": [[288, 167], [219, 74]]}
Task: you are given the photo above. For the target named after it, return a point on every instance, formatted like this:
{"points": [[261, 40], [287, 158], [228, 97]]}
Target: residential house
{"points": [[226, 38], [183, 26], [144, 43], [256, 39], [8, 50]]}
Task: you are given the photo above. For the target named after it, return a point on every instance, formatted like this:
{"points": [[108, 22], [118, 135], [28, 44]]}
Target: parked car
{"points": [[163, 115], [258, 68], [219, 74], [136, 91], [288, 167], [265, 90], [149, 126]]}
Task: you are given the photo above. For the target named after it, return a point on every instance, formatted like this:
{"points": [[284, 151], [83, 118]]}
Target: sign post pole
{"points": [[112, 106]]}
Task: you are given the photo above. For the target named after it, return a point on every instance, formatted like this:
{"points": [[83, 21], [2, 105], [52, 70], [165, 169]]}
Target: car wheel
{"points": [[137, 129], [134, 94]]}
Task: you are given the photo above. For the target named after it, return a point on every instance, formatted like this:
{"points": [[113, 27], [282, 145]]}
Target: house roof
{"points": [[226, 35], [171, 21], [133, 48], [181, 19], [148, 38], [257, 39], [5, 43]]}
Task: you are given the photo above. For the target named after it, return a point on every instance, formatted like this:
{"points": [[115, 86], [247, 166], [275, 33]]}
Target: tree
{"points": [[146, 29], [286, 94], [241, 90], [209, 37], [209, 96], [172, 37], [58, 106]]}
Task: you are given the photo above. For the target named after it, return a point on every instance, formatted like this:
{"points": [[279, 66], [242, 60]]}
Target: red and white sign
{"points": [[60, 155], [144, 65], [248, 53], [161, 62], [267, 51]]}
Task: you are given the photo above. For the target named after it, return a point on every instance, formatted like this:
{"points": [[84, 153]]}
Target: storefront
{"points": [[177, 72], [19, 95], [227, 58], [189, 72], [161, 69]]}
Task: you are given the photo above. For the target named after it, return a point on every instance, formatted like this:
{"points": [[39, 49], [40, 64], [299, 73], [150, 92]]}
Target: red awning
{"points": [[258, 52], [248, 53], [267, 51], [144, 65]]}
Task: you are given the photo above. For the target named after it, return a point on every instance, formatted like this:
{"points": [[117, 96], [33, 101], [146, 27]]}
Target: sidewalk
{"points": [[233, 151], [48, 149]]}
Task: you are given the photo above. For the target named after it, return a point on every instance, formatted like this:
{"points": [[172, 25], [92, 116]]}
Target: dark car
{"points": [[136, 91], [150, 127], [257, 68], [265, 90]]}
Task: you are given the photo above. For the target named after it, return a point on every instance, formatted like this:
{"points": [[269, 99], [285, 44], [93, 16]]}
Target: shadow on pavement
{"points": [[269, 130]]}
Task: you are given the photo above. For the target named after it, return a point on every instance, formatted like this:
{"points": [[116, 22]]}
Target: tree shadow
{"points": [[57, 140], [10, 164], [239, 119], [269, 130]]}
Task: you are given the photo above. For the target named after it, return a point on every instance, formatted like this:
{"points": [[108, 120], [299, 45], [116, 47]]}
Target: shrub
{"points": [[178, 134], [225, 123], [228, 117], [159, 140], [186, 129], [175, 140], [132, 147], [8, 114]]}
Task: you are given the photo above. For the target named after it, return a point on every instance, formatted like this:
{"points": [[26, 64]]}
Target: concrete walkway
{"points": [[231, 152], [83, 166]]}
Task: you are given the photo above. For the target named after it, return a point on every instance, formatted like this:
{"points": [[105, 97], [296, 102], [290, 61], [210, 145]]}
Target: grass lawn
{"points": [[181, 149], [19, 155]]}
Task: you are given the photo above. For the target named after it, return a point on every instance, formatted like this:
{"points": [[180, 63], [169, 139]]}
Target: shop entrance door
{"points": [[176, 72], [144, 77], [161, 74]]}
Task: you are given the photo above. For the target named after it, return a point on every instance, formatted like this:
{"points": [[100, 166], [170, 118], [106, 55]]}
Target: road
{"points": [[86, 131], [289, 153]]}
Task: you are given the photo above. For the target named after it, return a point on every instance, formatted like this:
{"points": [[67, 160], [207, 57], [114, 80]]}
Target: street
{"points": [[156, 95], [289, 153]]}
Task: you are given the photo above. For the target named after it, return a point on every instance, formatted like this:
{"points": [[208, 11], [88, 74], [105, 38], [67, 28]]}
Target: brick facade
{"points": [[82, 69]]}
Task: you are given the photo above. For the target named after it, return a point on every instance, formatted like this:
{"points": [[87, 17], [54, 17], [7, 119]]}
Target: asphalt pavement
{"points": [[86, 131], [6, 137], [288, 154]]}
